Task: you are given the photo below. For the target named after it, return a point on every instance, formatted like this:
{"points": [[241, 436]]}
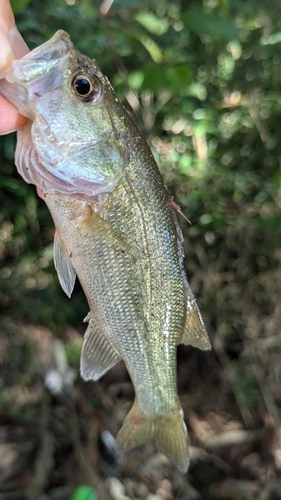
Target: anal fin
{"points": [[194, 331], [64, 267], [97, 355]]}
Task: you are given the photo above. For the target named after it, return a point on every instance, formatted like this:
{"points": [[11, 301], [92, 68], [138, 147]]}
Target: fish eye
{"points": [[87, 88]]}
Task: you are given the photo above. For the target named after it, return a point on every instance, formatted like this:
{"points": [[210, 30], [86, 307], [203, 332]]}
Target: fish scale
{"points": [[126, 323], [116, 230]]}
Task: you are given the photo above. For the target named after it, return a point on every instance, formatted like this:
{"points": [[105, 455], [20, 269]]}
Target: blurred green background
{"points": [[203, 82]]}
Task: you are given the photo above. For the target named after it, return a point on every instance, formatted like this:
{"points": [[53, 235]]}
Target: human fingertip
{"points": [[11, 120], [7, 54], [18, 44]]}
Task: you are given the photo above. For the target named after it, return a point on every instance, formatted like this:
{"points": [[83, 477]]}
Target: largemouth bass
{"points": [[116, 229]]}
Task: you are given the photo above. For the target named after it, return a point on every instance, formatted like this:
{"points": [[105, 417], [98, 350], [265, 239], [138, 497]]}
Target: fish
{"points": [[116, 229]]}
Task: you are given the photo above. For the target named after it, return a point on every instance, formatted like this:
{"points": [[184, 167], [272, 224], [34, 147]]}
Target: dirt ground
{"points": [[57, 432]]}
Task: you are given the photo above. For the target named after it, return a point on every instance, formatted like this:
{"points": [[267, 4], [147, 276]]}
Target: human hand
{"points": [[12, 47]]}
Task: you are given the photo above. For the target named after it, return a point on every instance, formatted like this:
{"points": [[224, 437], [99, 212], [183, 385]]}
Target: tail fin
{"points": [[168, 432]]}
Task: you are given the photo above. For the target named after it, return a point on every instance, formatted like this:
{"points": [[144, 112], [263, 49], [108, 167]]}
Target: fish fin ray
{"points": [[97, 355], [194, 331], [167, 431], [64, 267], [26, 158], [109, 234], [88, 317]]}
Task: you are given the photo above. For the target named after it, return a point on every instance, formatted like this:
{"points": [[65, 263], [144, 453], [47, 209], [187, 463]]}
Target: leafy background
{"points": [[202, 80]]}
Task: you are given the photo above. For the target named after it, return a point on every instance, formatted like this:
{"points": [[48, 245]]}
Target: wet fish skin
{"points": [[116, 230]]}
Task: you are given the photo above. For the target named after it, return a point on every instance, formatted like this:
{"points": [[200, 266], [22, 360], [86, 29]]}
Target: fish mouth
{"points": [[23, 82], [45, 155]]}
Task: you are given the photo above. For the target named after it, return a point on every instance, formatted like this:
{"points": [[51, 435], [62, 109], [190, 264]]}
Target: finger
{"points": [[17, 42], [6, 15], [11, 120], [11, 42], [7, 21], [12, 47]]}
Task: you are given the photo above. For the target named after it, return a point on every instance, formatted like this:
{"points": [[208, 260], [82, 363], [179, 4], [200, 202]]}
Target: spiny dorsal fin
{"points": [[64, 267], [194, 331], [98, 355], [177, 207]]}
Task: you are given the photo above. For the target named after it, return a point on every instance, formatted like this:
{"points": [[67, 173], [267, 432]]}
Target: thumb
{"points": [[11, 42]]}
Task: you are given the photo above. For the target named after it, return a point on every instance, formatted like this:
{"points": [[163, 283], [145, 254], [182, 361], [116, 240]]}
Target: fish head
{"points": [[75, 141]]}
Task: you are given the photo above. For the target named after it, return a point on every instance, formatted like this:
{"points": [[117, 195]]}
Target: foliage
{"points": [[84, 493], [203, 81]]}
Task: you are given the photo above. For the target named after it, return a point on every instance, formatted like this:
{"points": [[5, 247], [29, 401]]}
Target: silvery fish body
{"points": [[115, 229]]}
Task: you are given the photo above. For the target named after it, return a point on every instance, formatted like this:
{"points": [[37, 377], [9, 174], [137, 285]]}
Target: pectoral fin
{"points": [[98, 355], [64, 267], [194, 332], [106, 232]]}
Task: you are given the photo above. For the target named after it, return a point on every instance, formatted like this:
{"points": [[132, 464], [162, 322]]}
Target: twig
{"points": [[230, 438], [197, 454], [105, 6], [89, 474], [267, 395], [231, 375], [44, 460]]}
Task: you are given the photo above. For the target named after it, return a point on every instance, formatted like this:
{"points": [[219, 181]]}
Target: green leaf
{"points": [[127, 3], [179, 78], [198, 90], [152, 23], [175, 78], [151, 47], [271, 39], [19, 5], [9, 183], [84, 493], [185, 163], [154, 78], [135, 79], [217, 27]]}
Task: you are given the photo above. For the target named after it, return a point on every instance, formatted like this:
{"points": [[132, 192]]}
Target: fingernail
{"points": [[17, 43], [6, 54], [8, 132]]}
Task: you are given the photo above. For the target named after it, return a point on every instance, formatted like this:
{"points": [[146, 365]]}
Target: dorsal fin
{"points": [[194, 331], [64, 267]]}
